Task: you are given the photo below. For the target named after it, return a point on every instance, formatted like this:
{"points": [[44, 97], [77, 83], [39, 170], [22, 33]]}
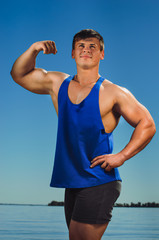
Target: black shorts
{"points": [[91, 205]]}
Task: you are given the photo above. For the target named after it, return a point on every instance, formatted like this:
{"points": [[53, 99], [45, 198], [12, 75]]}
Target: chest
{"points": [[77, 94]]}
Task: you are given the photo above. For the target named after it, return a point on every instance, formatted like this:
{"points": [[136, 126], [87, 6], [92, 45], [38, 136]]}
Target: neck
{"points": [[85, 77]]}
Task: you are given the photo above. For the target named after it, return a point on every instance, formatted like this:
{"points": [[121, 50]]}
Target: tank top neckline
{"points": [[78, 104]]}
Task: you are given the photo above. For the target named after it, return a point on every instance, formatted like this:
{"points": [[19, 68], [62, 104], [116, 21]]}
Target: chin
{"points": [[85, 66]]}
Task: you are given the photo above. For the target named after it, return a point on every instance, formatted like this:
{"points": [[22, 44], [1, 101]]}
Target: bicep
{"points": [[42, 82], [36, 81]]}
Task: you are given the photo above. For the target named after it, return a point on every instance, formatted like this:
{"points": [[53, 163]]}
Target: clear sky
{"points": [[28, 121]]}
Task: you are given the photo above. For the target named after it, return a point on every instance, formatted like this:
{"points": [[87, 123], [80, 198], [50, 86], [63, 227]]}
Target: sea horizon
{"points": [[61, 204]]}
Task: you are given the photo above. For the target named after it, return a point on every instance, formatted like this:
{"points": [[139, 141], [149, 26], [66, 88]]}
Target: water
{"points": [[45, 223]]}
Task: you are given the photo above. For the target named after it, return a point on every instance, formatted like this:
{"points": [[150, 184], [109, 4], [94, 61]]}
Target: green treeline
{"points": [[55, 203], [139, 204]]}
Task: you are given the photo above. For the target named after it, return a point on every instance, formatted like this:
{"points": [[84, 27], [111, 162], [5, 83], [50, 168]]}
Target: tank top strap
{"points": [[99, 82], [95, 91], [64, 88]]}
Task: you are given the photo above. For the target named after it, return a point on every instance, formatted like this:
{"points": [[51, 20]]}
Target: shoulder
{"points": [[56, 79], [116, 91]]}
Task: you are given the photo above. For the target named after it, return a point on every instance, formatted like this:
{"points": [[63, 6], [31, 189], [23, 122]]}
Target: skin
{"points": [[114, 102]]}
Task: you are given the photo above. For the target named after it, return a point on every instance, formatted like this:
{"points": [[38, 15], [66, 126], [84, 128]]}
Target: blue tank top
{"points": [[80, 137]]}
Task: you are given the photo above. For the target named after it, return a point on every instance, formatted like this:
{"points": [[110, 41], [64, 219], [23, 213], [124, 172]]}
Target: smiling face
{"points": [[87, 53]]}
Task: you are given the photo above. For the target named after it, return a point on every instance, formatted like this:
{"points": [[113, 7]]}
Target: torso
{"points": [[78, 93]]}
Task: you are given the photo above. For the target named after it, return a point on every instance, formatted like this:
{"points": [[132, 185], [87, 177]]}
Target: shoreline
{"points": [[60, 204]]}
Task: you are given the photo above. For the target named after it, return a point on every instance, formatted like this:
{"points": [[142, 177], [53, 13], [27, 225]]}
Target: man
{"points": [[89, 108]]}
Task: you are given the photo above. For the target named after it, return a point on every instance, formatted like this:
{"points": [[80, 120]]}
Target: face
{"points": [[87, 53]]}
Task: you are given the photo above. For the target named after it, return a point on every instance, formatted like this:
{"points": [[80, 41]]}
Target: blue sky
{"points": [[28, 121]]}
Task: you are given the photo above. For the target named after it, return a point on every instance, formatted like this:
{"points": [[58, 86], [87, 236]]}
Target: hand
{"points": [[46, 46], [108, 161]]}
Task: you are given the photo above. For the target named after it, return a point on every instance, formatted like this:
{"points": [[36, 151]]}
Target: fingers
{"points": [[96, 162], [49, 47], [104, 165], [101, 160], [108, 168], [97, 158]]}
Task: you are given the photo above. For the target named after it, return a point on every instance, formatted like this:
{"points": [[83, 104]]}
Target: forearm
{"points": [[25, 63], [141, 136]]}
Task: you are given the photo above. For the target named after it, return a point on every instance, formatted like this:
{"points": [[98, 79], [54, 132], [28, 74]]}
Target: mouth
{"points": [[85, 56]]}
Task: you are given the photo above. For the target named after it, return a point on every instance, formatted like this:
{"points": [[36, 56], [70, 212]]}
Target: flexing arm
{"points": [[35, 79], [138, 117]]}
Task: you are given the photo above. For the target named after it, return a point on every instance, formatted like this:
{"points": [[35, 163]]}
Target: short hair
{"points": [[88, 33]]}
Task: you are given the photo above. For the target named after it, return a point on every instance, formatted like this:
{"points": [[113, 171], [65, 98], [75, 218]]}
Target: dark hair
{"points": [[88, 33]]}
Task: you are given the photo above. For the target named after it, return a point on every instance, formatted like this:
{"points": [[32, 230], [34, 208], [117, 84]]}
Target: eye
{"points": [[92, 46], [81, 45]]}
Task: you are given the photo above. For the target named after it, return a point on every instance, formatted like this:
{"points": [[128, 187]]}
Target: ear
{"points": [[73, 53], [102, 55]]}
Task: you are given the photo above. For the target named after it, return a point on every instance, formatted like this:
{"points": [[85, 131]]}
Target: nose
{"points": [[86, 49]]}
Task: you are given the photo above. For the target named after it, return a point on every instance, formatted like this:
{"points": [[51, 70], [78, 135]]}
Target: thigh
{"points": [[94, 205], [85, 231], [69, 203]]}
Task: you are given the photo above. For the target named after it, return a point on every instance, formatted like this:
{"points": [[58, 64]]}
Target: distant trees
{"points": [[55, 203], [139, 204]]}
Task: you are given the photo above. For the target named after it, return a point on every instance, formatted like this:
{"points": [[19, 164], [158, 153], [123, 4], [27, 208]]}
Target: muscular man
{"points": [[89, 108]]}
